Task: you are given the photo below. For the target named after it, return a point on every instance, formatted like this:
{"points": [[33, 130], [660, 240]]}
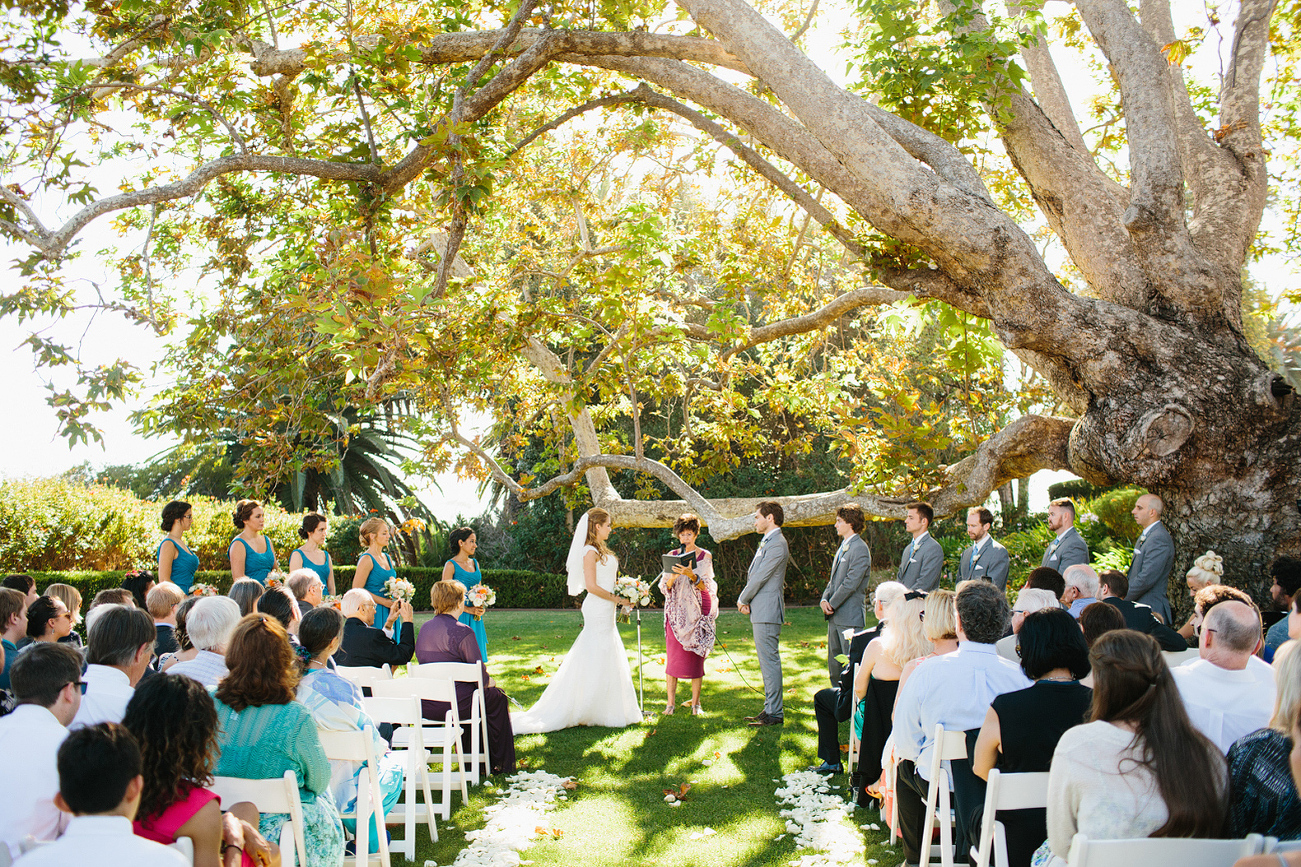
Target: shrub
{"points": [[1114, 511]]}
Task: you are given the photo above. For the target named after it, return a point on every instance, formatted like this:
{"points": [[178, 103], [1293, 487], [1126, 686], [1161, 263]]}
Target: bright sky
{"points": [[32, 447]]}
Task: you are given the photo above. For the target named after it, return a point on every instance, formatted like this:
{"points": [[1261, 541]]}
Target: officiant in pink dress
{"points": [[690, 611]]}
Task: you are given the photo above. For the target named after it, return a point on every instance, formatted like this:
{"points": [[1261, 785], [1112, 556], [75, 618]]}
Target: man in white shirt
{"points": [[954, 690], [1081, 588], [100, 784], [119, 648], [209, 626], [46, 680], [1228, 692]]}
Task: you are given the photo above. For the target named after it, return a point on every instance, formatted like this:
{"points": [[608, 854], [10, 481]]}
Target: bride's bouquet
{"points": [[634, 592], [480, 596], [399, 589]]}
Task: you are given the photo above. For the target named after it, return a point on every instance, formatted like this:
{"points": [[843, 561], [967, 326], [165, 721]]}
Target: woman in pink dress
{"points": [[690, 610]]}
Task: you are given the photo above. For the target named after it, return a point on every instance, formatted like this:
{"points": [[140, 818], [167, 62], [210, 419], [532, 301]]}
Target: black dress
{"points": [[1030, 722], [878, 710]]}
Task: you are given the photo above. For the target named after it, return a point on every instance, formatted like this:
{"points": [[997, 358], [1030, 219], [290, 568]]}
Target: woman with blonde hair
{"points": [[1263, 797], [375, 568], [594, 683], [71, 597], [940, 626], [1207, 569]]}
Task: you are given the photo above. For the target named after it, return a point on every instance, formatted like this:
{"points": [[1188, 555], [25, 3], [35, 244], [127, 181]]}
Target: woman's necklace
{"points": [[1059, 678]]}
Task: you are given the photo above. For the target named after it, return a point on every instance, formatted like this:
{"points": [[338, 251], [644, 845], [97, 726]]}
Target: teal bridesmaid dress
{"points": [[257, 566], [184, 565], [375, 584], [469, 579]]}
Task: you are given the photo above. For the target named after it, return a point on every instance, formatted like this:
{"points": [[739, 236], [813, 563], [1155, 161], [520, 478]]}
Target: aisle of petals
{"points": [[515, 821], [820, 821]]}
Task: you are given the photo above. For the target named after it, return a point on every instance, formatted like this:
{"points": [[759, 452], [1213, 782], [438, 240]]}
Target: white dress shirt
{"points": [[955, 689], [1226, 704], [108, 690], [30, 738], [105, 841], [207, 668]]}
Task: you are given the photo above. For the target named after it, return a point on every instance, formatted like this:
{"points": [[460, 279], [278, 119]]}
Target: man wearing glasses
{"points": [[46, 680]]}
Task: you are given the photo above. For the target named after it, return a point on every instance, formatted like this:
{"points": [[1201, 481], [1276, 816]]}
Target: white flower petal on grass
{"points": [[819, 821], [510, 824]]}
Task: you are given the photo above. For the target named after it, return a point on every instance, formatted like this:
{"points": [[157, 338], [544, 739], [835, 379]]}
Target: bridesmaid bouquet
{"points": [[480, 596], [203, 590], [634, 591], [399, 589]]}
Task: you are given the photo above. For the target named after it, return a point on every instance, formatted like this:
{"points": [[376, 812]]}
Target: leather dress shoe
{"points": [[765, 720], [763, 714], [827, 769]]}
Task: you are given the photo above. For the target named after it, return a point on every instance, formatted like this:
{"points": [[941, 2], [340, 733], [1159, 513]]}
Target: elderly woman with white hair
{"points": [[363, 644], [1028, 601], [209, 625]]}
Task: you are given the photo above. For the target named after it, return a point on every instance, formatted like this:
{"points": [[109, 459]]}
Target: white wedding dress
{"points": [[594, 684]]}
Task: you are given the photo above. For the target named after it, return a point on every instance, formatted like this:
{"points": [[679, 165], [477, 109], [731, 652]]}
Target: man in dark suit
{"points": [[985, 558], [923, 560], [1113, 586], [1069, 547], [162, 601], [363, 644], [762, 598], [308, 589], [1154, 557], [842, 600]]}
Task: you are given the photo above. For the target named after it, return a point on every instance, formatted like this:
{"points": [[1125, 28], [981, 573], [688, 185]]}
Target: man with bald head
{"points": [[1229, 692], [1154, 557]]}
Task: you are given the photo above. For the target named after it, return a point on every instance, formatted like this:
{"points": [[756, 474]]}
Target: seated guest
{"points": [[263, 732], [121, 645], [1021, 728], [1081, 588], [444, 639], [1290, 859], [335, 703], [209, 626], [24, 584], [13, 626], [902, 640], [71, 598], [1263, 796], [245, 592], [48, 620], [1139, 768], [308, 589], [139, 582], [1112, 587], [940, 626], [162, 603], [835, 705], [46, 681], [279, 602], [99, 784], [1227, 696], [1207, 569], [1099, 618], [187, 650], [111, 596], [176, 765], [363, 644], [955, 691], [1028, 601], [1046, 578], [1286, 572]]}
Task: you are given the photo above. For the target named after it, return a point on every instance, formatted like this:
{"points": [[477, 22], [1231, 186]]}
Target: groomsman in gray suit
{"points": [[985, 558], [761, 598], [1154, 557], [923, 559], [842, 601], [1069, 547]]}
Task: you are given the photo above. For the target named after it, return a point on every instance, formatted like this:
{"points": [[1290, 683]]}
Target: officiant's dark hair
{"points": [[687, 521], [457, 536], [772, 510]]}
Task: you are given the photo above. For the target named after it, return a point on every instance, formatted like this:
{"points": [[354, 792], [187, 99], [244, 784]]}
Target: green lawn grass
{"points": [[617, 815]]}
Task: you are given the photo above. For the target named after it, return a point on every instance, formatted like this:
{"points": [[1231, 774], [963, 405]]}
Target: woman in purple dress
{"points": [[690, 610]]}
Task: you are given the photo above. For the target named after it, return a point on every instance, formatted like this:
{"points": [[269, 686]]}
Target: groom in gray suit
{"points": [[762, 600], [842, 601]]}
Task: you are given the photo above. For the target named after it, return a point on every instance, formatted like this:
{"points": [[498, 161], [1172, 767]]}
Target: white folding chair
{"points": [[278, 795], [445, 734], [949, 746], [465, 672], [360, 747], [185, 846], [1149, 851], [365, 676], [852, 759], [1006, 792], [405, 711], [1274, 846]]}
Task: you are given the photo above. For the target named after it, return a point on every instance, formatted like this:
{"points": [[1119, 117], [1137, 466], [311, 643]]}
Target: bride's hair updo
{"points": [[596, 517]]}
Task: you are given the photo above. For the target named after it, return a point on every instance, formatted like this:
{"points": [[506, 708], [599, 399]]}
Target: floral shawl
{"points": [[682, 610]]}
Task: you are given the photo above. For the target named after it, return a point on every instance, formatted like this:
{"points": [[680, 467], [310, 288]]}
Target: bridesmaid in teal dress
{"points": [[313, 532], [464, 568], [251, 554], [374, 568], [177, 563]]}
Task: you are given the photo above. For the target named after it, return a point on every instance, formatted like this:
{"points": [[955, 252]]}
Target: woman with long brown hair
{"points": [[1138, 768], [265, 732], [594, 683]]}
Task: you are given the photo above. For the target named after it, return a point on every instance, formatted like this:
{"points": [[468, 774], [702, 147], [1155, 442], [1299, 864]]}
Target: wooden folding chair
{"points": [[272, 796], [360, 747]]}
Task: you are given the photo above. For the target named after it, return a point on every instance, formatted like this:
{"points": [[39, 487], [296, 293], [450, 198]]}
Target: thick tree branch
{"points": [[828, 313]]}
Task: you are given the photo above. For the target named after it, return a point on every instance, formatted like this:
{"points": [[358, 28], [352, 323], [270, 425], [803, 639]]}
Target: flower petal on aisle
{"points": [[512, 824], [820, 821]]}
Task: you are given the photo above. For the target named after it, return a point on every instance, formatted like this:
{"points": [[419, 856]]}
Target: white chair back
{"points": [[1275, 846], [271, 796], [854, 743], [445, 734], [949, 746], [1149, 851], [1006, 792], [405, 711], [471, 673], [1176, 658], [360, 747], [364, 675]]}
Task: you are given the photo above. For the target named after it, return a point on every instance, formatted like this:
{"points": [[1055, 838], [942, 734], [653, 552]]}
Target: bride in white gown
{"points": [[594, 684]]}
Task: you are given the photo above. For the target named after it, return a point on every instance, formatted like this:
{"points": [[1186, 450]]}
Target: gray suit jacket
{"points": [[1070, 551], [1149, 573], [992, 564], [766, 580], [922, 572], [848, 584]]}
